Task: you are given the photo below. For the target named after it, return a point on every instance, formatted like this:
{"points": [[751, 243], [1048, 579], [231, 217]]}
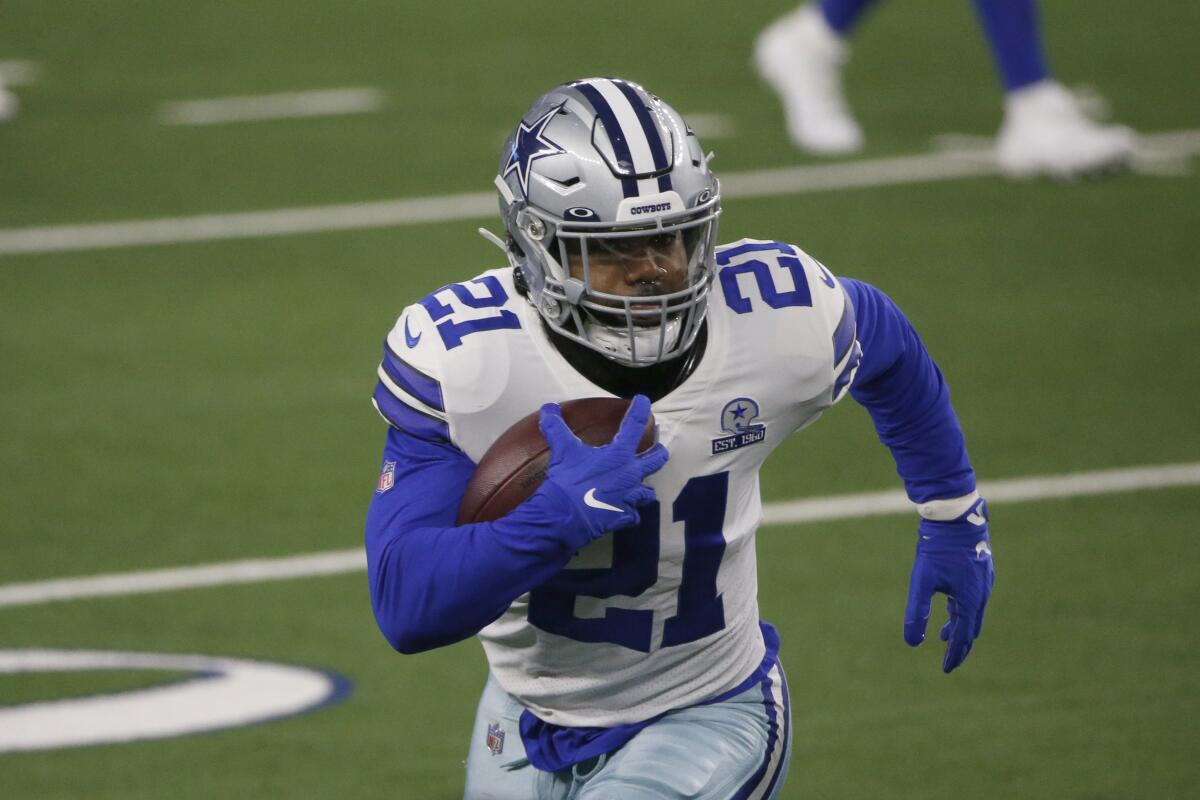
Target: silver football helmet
{"points": [[600, 172]]}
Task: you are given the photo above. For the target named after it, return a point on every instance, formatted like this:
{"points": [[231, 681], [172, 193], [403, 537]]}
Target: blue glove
{"points": [[603, 484], [954, 558]]}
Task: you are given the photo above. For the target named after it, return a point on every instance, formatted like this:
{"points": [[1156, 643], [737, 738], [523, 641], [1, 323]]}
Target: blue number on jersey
{"points": [[799, 296], [452, 332], [700, 506], [634, 570], [701, 509]]}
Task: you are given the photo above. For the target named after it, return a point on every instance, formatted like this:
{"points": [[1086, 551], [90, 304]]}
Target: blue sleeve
{"points": [[433, 582], [908, 399]]}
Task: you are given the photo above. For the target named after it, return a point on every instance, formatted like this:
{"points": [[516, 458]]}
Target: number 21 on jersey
{"points": [[459, 310], [700, 506]]}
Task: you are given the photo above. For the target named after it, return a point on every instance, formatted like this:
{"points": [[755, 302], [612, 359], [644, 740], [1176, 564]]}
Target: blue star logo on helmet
{"points": [[530, 144]]}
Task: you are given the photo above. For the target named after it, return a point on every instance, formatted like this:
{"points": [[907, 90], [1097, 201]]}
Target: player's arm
{"points": [[434, 582], [908, 399], [909, 402]]}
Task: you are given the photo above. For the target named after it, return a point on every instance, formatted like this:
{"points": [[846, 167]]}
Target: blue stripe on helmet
{"points": [[615, 134], [661, 160]]}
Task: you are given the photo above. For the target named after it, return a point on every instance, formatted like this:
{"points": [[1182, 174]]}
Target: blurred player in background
{"points": [[8, 102], [618, 605], [1045, 131]]}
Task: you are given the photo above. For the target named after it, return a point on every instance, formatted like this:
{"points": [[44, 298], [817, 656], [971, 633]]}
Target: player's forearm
{"points": [[433, 585], [908, 400]]}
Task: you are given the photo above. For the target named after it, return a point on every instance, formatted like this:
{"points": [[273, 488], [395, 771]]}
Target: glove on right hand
{"points": [[603, 484]]}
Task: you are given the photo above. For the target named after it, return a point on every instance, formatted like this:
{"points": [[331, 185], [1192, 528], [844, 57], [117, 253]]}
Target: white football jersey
{"points": [[663, 615]]}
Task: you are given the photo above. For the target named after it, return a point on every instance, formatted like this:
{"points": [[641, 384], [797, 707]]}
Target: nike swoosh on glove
{"points": [[955, 558], [602, 485]]}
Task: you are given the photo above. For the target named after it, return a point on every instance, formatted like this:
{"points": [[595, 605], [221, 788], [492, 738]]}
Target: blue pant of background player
{"points": [[1045, 130], [737, 749], [1011, 27]]}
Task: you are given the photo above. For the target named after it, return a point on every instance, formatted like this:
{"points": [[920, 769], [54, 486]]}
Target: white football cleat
{"points": [[8, 105], [1046, 132], [801, 58]]}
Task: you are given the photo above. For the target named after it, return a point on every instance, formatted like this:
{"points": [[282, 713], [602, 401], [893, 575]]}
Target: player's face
{"points": [[641, 266]]}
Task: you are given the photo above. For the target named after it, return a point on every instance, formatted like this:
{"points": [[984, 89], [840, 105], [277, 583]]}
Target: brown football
{"points": [[515, 465]]}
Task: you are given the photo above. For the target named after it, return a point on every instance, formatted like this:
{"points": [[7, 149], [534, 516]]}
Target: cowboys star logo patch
{"points": [[737, 419]]}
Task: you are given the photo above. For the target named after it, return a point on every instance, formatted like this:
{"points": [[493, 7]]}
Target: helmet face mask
{"points": [[611, 213]]}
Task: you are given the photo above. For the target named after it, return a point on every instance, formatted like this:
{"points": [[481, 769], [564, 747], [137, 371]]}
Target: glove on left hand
{"points": [[954, 558]]}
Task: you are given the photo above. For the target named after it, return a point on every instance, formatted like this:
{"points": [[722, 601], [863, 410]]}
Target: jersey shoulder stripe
{"points": [[407, 413], [844, 334], [407, 395], [406, 417], [446, 355], [847, 352], [845, 375], [412, 380]]}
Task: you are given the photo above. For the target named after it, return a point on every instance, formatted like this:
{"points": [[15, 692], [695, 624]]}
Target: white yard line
{"points": [[161, 580], [1013, 490], [247, 225], [848, 506], [255, 108], [938, 166]]}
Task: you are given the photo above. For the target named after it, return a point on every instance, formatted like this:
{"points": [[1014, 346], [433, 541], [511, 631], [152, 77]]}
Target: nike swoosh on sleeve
{"points": [[409, 339]]}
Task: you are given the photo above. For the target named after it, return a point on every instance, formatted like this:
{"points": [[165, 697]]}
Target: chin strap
{"points": [[493, 238], [496, 240]]}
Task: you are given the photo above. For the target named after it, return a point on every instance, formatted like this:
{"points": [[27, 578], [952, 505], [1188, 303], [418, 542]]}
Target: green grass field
{"points": [[182, 404]]}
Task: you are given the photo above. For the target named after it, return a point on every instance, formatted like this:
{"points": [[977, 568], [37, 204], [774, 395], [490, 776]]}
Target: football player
{"points": [[617, 606], [1045, 129]]}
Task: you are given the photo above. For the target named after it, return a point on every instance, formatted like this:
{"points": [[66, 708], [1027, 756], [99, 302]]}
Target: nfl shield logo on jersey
{"points": [[737, 419], [387, 478], [495, 738]]}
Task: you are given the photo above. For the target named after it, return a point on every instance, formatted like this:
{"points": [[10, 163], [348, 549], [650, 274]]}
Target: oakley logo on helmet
{"points": [[582, 213]]}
